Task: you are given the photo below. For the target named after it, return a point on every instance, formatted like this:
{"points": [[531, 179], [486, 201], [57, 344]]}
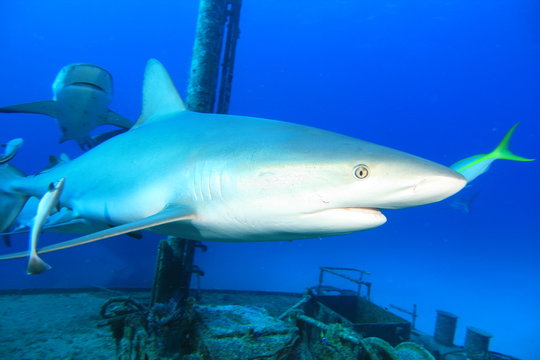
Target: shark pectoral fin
{"points": [[47, 107], [164, 217], [112, 118], [11, 203]]}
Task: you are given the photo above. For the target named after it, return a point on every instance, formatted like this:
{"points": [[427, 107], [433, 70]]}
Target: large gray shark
{"points": [[228, 178], [82, 95]]}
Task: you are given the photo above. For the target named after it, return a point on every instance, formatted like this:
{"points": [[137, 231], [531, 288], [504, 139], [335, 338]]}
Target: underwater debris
{"points": [[172, 331], [147, 332], [381, 349], [316, 326], [228, 332], [301, 302], [412, 351], [233, 332]]}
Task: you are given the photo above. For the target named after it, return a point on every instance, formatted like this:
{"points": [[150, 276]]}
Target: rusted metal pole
{"points": [[174, 268], [229, 55], [206, 56], [211, 68]]}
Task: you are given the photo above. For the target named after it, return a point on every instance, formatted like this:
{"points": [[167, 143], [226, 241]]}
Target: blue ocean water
{"points": [[439, 79]]}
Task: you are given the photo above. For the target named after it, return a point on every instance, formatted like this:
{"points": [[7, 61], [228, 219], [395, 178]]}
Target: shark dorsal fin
{"points": [[159, 94]]}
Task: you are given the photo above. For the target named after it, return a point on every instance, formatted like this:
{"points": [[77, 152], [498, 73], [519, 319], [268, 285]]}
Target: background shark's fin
{"points": [[112, 118], [12, 147], [10, 203], [165, 217], [47, 107], [159, 94]]}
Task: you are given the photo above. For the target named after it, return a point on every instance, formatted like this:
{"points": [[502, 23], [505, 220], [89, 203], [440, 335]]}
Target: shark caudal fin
{"points": [[36, 265], [11, 203], [502, 151]]}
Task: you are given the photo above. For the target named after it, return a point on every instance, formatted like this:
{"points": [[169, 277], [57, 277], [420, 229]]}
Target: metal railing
{"points": [[338, 271]]}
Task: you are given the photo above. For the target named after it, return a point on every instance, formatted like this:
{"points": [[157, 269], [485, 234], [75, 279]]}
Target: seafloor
{"points": [[64, 324]]}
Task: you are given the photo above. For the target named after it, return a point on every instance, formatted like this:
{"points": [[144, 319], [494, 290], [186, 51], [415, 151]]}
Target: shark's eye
{"points": [[361, 171]]}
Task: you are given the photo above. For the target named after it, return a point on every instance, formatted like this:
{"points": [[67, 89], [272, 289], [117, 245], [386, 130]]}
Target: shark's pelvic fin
{"points": [[47, 107], [159, 94], [164, 217], [11, 202], [47, 227], [112, 118]]}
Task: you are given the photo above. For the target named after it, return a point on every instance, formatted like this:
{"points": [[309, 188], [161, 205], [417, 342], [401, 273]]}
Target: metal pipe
{"points": [[206, 56], [229, 55], [477, 343], [445, 328]]}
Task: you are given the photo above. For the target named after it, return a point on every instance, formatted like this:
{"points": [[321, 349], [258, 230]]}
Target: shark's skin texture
{"points": [[476, 165], [233, 178], [82, 94]]}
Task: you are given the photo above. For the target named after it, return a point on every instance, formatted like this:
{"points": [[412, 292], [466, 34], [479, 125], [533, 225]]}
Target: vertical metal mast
{"points": [[209, 91]]}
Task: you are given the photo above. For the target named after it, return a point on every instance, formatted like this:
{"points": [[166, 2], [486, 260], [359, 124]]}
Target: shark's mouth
{"points": [[347, 218], [89, 85], [359, 210]]}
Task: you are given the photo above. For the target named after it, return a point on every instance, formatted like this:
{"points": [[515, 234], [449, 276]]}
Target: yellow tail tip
{"points": [[502, 151]]}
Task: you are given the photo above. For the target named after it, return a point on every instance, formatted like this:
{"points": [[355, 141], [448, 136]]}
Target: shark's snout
{"points": [[437, 187]]}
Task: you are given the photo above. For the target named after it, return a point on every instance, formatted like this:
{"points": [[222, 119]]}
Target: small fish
{"points": [[47, 203], [476, 165], [11, 148], [464, 203]]}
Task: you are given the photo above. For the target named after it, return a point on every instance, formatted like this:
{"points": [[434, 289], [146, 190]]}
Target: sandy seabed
{"points": [[63, 324], [54, 325]]}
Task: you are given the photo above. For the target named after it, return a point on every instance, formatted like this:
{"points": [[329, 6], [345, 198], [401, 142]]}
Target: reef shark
{"points": [[226, 178], [82, 94]]}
